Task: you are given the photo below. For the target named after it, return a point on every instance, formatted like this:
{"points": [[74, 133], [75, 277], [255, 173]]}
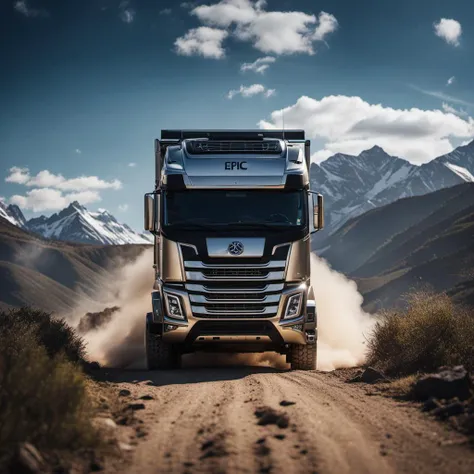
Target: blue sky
{"points": [[87, 85]]}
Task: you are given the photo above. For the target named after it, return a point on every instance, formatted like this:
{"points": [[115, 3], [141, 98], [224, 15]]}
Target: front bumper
{"points": [[252, 331]]}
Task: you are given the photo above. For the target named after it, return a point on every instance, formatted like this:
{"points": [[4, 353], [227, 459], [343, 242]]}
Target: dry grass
{"points": [[431, 332], [43, 392]]}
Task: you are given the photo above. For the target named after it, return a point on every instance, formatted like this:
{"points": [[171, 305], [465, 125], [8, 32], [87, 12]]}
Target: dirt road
{"points": [[203, 420]]}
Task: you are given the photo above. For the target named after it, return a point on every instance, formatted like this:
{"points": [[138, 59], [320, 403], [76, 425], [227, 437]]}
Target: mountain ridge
{"points": [[76, 224], [353, 184]]}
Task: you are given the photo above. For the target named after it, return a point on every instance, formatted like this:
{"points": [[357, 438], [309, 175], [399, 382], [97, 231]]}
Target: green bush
{"points": [[43, 393], [431, 332]]}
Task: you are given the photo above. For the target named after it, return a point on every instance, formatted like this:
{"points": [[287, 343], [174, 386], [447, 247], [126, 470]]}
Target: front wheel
{"points": [[303, 356], [159, 354]]}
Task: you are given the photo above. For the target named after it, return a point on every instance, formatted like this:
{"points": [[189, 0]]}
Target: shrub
{"points": [[43, 393], [431, 332]]}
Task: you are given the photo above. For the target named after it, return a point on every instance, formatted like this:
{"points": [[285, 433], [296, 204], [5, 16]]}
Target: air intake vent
{"points": [[208, 147]]}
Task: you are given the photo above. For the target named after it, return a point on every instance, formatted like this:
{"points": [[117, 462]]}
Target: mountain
{"points": [[12, 214], [76, 224], [55, 275], [414, 242], [353, 185]]}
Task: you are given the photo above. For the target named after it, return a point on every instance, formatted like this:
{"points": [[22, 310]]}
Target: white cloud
{"points": [[450, 81], [327, 24], [46, 179], [23, 7], [166, 11], [272, 32], [78, 151], [452, 110], [132, 165], [250, 91], [123, 207], [202, 41], [48, 199], [259, 66], [18, 175], [350, 125], [448, 29], [127, 14]]}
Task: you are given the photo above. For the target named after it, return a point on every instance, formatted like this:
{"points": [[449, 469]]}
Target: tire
{"points": [[159, 354], [303, 356]]}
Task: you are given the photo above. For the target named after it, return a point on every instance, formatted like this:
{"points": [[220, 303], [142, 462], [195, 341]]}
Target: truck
{"points": [[231, 214]]}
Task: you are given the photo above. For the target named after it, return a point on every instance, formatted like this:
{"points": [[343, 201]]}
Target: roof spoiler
{"points": [[295, 135]]}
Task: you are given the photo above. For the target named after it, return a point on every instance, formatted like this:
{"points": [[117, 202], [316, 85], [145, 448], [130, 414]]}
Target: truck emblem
{"points": [[236, 248]]}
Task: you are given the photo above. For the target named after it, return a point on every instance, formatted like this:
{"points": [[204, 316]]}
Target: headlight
{"points": [[174, 308], [293, 306]]}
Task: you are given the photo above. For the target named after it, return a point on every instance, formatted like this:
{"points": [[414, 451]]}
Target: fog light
{"points": [[174, 307], [297, 327], [293, 306], [170, 327]]}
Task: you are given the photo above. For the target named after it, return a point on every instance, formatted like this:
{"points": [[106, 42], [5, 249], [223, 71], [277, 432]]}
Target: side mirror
{"points": [[318, 212], [151, 212]]}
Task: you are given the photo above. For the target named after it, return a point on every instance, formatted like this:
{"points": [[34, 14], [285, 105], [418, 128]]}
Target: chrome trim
{"points": [[191, 246], [205, 289], [198, 276], [265, 310], [275, 247], [218, 246], [264, 299], [271, 264]]}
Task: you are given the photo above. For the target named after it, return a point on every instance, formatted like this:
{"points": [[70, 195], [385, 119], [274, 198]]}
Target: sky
{"points": [[86, 86]]}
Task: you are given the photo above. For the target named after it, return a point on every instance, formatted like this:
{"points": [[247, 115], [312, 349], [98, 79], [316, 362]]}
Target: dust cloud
{"points": [[342, 324], [119, 342]]}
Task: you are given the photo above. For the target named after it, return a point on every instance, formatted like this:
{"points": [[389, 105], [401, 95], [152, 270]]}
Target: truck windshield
{"points": [[239, 208]]}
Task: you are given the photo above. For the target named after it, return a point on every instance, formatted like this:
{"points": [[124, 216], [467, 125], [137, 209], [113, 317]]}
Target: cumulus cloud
{"points": [[350, 125], [259, 66], [48, 199], [18, 175], [23, 7], [450, 81], [132, 165], [78, 151], [202, 41], [448, 29], [166, 11], [46, 179], [127, 14], [250, 91], [123, 207], [272, 32]]}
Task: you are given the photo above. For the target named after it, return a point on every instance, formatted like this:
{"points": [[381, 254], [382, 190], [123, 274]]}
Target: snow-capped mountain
{"points": [[353, 185], [76, 224], [12, 214]]}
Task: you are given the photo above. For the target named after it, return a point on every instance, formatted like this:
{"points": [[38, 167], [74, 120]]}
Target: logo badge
{"points": [[236, 248]]}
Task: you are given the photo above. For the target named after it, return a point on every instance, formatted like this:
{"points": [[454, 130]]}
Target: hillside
{"points": [[420, 241], [53, 275]]}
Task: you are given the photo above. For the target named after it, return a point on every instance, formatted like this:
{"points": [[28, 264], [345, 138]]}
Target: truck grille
{"points": [[235, 290], [237, 273], [203, 147]]}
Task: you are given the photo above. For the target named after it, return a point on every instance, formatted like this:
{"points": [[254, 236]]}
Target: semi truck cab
{"points": [[231, 215]]}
